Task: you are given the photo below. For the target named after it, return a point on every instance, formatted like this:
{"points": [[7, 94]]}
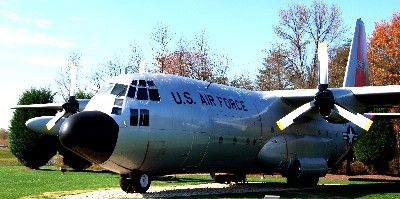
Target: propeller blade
{"points": [[356, 119], [323, 62], [54, 106], [73, 75], [55, 119], [289, 118]]}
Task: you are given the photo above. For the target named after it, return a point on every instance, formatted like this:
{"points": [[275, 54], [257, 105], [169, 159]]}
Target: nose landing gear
{"points": [[135, 182]]}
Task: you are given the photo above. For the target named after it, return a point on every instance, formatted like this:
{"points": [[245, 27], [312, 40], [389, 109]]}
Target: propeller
{"points": [[324, 101], [72, 105]]}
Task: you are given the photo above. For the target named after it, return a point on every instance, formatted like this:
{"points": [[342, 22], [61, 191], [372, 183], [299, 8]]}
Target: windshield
{"points": [[106, 88]]}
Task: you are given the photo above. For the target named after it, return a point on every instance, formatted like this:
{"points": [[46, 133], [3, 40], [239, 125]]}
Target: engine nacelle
{"points": [[307, 153], [314, 167]]}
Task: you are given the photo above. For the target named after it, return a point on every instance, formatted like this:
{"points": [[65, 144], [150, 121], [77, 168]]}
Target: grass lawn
{"points": [[18, 181], [7, 158]]}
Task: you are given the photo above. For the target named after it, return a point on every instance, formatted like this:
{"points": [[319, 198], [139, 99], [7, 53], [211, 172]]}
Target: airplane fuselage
{"points": [[195, 126]]}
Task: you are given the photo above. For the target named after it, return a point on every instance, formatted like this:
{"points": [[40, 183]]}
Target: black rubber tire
{"points": [[125, 182], [140, 182], [293, 174]]}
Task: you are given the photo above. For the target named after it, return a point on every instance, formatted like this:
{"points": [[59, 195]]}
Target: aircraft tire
{"points": [[125, 182], [140, 182], [293, 174]]}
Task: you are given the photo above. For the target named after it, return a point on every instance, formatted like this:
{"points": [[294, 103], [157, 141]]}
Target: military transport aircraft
{"points": [[144, 125]]}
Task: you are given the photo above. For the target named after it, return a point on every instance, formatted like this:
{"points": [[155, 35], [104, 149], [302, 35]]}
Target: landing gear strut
{"points": [[135, 182]]}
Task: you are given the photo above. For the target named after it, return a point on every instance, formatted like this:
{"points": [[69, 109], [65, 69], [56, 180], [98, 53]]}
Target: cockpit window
{"points": [[143, 90], [142, 83], [142, 94], [119, 90], [154, 95], [151, 84], [131, 92]]}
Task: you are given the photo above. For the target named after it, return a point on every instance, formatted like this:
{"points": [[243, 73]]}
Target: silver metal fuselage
{"points": [[198, 126]]}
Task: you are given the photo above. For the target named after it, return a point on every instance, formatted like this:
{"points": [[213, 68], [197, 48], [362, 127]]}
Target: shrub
{"points": [[32, 149], [376, 147]]}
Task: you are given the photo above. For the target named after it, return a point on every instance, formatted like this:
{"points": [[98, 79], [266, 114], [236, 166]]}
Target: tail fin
{"points": [[357, 65]]}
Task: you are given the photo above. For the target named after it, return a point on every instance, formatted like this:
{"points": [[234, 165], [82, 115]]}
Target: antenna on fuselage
{"points": [[208, 85]]}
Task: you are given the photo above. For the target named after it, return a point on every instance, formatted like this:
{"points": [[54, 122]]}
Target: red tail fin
{"points": [[357, 65]]}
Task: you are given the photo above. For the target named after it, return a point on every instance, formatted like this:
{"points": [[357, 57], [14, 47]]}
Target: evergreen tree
{"points": [[32, 149], [377, 146]]}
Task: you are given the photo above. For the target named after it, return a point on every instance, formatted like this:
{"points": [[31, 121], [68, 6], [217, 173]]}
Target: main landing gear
{"points": [[135, 182]]}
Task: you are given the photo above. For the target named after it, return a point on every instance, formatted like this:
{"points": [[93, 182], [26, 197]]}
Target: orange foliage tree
{"points": [[384, 62], [384, 52]]}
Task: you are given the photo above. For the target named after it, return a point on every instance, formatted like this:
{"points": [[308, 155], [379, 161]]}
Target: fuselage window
{"points": [[119, 90], [142, 94], [134, 117], [131, 92], [116, 111], [144, 117]]}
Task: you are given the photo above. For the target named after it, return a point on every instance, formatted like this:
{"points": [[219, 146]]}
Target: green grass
{"points": [[7, 158], [18, 181]]}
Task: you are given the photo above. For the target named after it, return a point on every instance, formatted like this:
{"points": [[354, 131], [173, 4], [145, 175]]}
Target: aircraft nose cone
{"points": [[90, 134]]}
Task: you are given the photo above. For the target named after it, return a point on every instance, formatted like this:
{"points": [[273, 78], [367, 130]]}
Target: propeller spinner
{"points": [[324, 100]]}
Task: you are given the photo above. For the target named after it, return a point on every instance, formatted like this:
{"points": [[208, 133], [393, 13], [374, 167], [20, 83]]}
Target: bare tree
{"points": [[161, 37], [135, 59], [63, 76], [276, 70], [302, 29], [220, 67], [202, 64], [337, 65], [242, 81], [117, 66]]}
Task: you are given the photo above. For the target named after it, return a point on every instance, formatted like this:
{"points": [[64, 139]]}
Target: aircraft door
{"points": [[195, 126]]}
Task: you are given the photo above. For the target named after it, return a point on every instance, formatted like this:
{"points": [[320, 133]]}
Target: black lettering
{"points": [[233, 105], [211, 100], [220, 101], [237, 105], [227, 103], [203, 99], [242, 103], [189, 99], [179, 100]]}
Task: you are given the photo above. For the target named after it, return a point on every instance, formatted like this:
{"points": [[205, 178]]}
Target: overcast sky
{"points": [[36, 37]]}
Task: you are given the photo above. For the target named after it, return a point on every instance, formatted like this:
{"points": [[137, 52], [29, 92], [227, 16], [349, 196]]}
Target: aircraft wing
{"points": [[381, 96], [52, 106], [55, 106], [357, 98]]}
